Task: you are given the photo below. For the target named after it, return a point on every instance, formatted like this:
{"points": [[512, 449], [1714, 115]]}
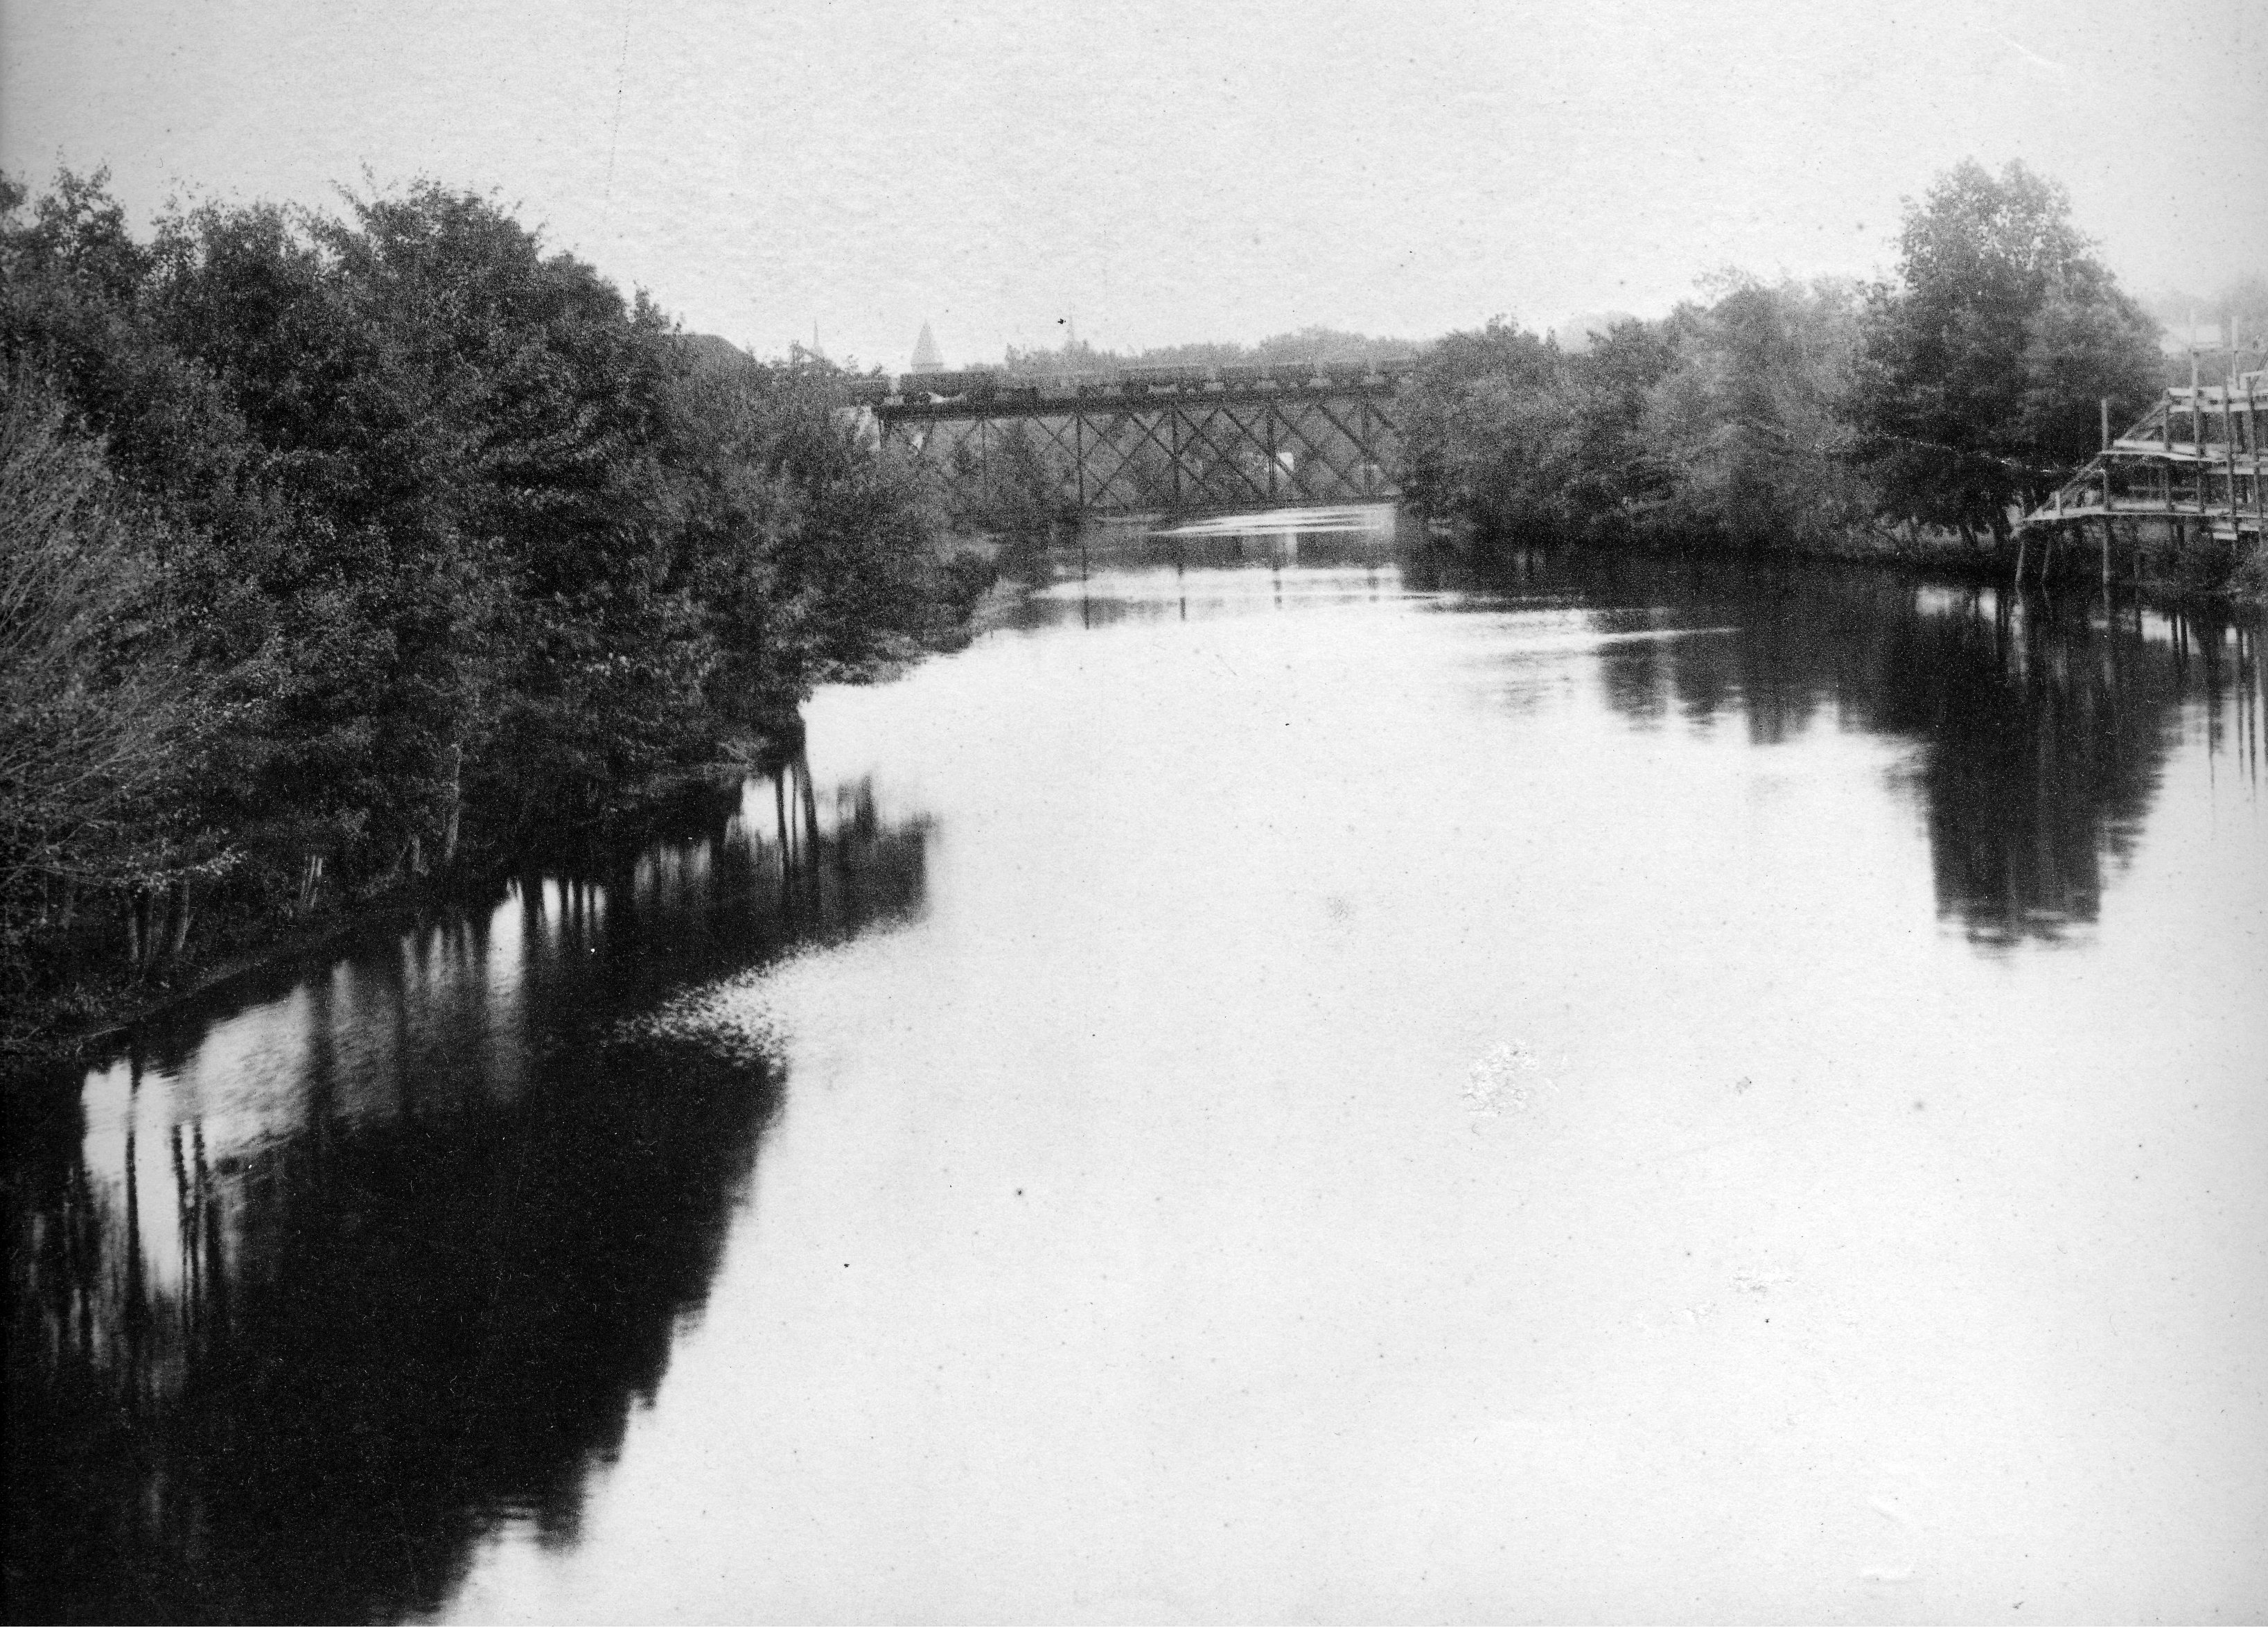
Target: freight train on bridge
{"points": [[1172, 439]]}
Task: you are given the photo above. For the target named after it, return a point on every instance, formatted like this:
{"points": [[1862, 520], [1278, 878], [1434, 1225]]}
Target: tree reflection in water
{"points": [[309, 1292], [2043, 728], [306, 1295]]}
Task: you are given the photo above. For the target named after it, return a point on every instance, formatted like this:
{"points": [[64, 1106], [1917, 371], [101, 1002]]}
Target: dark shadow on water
{"points": [[293, 1324], [2041, 728], [311, 1287]]}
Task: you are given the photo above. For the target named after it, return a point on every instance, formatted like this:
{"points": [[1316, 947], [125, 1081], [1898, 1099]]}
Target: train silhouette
{"points": [[984, 386]]}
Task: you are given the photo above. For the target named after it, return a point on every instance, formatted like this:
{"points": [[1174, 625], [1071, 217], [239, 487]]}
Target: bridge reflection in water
{"points": [[308, 1294]]}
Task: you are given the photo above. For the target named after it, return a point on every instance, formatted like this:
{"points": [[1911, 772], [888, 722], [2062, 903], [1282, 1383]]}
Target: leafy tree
{"points": [[514, 429], [1487, 435], [447, 539], [1743, 423], [843, 536], [100, 720], [1980, 367], [72, 312], [1617, 482]]}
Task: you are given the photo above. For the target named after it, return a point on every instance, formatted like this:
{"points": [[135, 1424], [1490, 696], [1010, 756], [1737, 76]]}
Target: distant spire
{"points": [[927, 358]]}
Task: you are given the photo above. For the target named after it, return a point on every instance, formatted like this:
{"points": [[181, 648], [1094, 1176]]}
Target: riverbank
{"points": [[83, 1011], [90, 1013], [94, 1009], [82, 1017], [459, 610], [995, 609], [2160, 571], [2162, 574]]}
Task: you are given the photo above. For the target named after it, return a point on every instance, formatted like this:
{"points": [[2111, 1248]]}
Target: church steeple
{"points": [[927, 357]]}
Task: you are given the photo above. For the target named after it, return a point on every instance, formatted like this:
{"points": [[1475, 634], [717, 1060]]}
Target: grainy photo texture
{"points": [[1167, 811]]}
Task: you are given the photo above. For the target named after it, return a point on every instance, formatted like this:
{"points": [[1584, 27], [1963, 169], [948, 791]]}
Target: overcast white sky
{"points": [[1163, 172]]}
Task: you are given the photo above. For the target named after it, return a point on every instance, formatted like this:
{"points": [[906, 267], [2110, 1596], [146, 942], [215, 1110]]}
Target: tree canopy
{"points": [[380, 533], [1982, 365], [1796, 415]]}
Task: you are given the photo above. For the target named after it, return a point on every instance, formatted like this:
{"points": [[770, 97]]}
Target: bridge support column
{"points": [[1174, 449]]}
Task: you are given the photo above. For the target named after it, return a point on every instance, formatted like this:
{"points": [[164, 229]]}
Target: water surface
{"points": [[1252, 1094]]}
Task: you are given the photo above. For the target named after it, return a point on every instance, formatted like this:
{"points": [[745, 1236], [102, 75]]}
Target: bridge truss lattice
{"points": [[1134, 449]]}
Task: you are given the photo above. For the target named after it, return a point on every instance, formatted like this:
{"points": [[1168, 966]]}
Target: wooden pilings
{"points": [[2214, 473]]}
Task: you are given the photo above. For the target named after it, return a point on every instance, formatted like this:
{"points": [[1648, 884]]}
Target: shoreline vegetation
{"points": [[342, 557], [1908, 420], [346, 559]]}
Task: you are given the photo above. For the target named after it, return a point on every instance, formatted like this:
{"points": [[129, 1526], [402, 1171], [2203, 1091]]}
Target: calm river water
{"points": [[1250, 1094]]}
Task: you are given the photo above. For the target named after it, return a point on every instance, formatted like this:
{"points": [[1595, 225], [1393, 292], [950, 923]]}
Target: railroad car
{"points": [[1165, 377], [975, 384]]}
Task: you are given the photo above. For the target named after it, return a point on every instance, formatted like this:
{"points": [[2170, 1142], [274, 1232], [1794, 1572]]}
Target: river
{"points": [[1259, 1093]]}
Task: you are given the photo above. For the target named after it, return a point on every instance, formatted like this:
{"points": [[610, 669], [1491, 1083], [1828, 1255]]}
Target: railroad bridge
{"points": [[1152, 439]]}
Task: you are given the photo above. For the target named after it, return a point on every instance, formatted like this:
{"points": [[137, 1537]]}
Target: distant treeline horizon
{"points": [[1830, 415], [1823, 415], [1914, 414], [2242, 301]]}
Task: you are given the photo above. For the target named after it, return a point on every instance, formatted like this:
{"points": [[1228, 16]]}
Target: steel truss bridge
{"points": [[1153, 440]]}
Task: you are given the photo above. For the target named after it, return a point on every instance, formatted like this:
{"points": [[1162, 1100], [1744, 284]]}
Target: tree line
{"points": [[1822, 417], [336, 548]]}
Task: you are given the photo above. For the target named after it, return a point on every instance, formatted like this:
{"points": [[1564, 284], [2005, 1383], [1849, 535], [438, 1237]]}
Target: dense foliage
{"points": [[335, 547], [1800, 417], [1981, 369]]}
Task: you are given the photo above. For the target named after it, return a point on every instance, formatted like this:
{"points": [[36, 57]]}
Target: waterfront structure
{"points": [[2191, 465]]}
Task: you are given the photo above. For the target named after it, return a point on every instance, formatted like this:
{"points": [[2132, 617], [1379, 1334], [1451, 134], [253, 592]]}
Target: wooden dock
{"points": [[2191, 466]]}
